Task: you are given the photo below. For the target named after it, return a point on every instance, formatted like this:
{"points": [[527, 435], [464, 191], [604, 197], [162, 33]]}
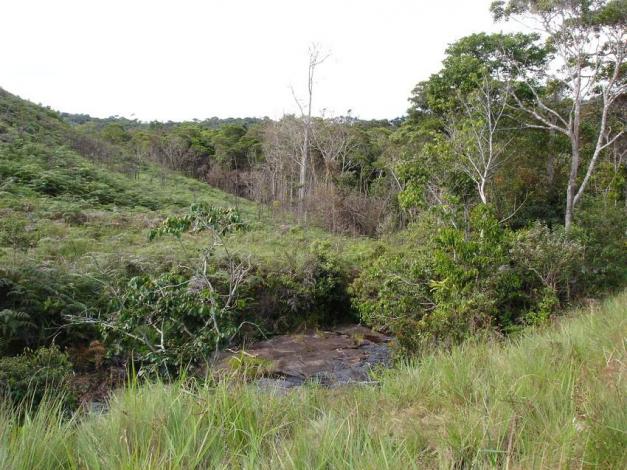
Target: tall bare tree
{"points": [[316, 57]]}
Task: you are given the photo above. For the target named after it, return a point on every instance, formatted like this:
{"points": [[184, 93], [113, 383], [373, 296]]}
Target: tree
{"points": [[334, 141], [282, 150], [587, 39], [473, 136], [315, 58], [461, 122], [465, 66]]}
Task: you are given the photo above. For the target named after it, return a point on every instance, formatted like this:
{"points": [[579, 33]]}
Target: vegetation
{"points": [[551, 398], [84, 241], [464, 230], [31, 376]]}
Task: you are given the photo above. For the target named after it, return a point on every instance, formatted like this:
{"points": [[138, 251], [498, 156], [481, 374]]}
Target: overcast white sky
{"points": [[185, 59]]}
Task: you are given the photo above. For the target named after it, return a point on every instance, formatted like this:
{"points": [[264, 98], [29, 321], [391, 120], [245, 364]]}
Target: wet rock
{"points": [[344, 355]]}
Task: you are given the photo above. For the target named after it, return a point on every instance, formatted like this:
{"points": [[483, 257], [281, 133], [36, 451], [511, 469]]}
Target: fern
{"points": [[13, 323]]}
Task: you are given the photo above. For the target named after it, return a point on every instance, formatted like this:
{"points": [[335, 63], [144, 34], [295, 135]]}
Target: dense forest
{"points": [[135, 252]]}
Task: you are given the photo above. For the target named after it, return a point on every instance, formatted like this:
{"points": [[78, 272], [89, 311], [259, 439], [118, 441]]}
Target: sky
{"points": [[185, 59]]}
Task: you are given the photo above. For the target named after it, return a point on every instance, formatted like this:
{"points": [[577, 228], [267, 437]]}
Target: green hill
{"points": [[41, 169], [76, 214]]}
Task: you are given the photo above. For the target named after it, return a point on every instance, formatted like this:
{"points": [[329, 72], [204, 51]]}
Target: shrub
{"points": [[602, 229], [457, 283], [168, 321], [549, 261], [15, 326], [294, 296], [15, 232], [43, 297], [201, 216], [34, 374]]}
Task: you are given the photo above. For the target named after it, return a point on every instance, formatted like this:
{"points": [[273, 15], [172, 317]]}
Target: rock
{"points": [[344, 355]]}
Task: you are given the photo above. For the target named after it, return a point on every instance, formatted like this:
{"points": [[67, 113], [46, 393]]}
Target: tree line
{"points": [[532, 124]]}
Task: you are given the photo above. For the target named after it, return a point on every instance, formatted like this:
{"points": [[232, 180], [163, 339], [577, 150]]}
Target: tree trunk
{"points": [[482, 194], [572, 183], [302, 180]]}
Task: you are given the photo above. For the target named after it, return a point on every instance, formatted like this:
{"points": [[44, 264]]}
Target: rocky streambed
{"points": [[333, 357], [343, 355]]}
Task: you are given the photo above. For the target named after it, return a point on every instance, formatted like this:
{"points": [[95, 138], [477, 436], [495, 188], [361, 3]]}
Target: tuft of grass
{"points": [[551, 398], [246, 365]]}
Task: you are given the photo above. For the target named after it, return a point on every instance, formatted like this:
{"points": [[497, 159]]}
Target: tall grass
{"points": [[549, 399]]}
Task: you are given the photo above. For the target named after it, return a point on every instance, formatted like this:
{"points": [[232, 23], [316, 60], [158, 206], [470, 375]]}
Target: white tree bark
{"points": [[588, 66], [315, 58]]}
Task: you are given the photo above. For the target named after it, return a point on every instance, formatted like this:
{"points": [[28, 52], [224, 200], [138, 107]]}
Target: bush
{"points": [[298, 296], [168, 321], [35, 302], [201, 216], [15, 232], [462, 281], [549, 261], [35, 374], [457, 283], [602, 229], [15, 327]]}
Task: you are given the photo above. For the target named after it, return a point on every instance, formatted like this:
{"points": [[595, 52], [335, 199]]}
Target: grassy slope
{"points": [[83, 215], [550, 399]]}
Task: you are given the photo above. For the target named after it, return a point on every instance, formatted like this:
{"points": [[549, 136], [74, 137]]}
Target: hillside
{"points": [[552, 398], [41, 168], [76, 224], [444, 286]]}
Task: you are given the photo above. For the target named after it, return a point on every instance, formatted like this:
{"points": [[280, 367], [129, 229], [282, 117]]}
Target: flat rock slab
{"points": [[343, 355]]}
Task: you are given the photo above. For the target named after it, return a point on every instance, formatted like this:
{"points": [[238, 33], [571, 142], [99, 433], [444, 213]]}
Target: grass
{"points": [[551, 398], [81, 214]]}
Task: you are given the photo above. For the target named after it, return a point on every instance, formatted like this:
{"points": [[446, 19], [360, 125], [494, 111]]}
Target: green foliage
{"points": [[35, 302], [552, 256], [314, 293], [59, 172], [440, 293], [17, 233], [201, 216], [167, 322], [549, 261], [115, 133], [467, 62], [35, 374], [461, 282], [235, 146], [551, 398], [249, 366], [602, 229], [14, 326]]}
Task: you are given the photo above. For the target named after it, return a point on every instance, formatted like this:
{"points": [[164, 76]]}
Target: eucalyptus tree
{"points": [[587, 40]]}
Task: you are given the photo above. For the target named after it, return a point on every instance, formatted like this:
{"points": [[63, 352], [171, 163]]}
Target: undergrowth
{"points": [[550, 398]]}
